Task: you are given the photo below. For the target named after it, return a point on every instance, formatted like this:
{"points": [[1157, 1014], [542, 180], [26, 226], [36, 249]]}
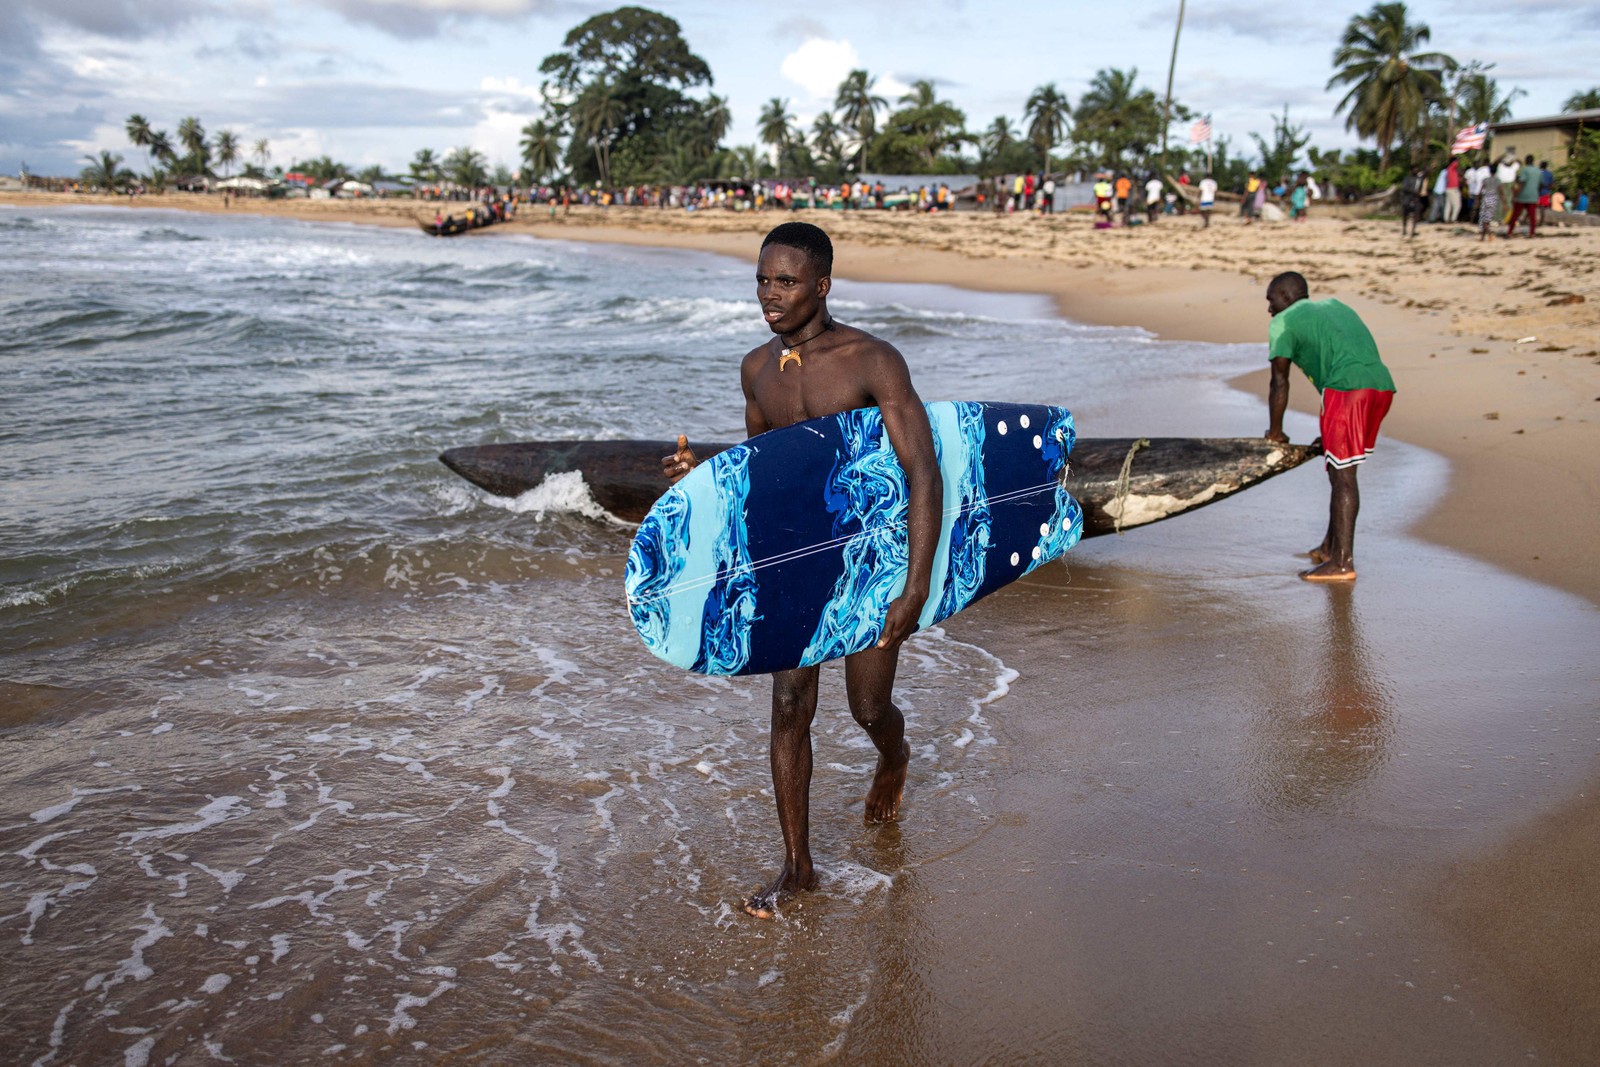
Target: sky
{"points": [[372, 81]]}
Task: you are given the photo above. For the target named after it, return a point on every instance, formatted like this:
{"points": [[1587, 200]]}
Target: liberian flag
{"points": [[1469, 138], [1200, 132]]}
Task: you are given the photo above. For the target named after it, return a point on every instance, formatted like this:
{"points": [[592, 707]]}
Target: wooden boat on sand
{"points": [[1121, 482]]}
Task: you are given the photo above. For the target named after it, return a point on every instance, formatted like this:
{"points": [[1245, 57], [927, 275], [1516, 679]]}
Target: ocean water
{"points": [[310, 750], [311, 747]]}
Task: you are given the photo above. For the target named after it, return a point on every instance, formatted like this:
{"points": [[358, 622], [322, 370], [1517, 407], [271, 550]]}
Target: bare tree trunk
{"points": [[1166, 110]]}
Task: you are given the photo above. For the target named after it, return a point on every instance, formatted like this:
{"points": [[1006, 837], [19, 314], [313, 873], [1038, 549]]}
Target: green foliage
{"points": [[321, 169], [425, 166], [106, 173], [1047, 112], [1390, 83], [921, 137], [466, 166], [1363, 172], [1584, 100], [616, 92], [1277, 158], [541, 150], [1582, 172], [1477, 96], [1001, 150], [1117, 123], [858, 108], [227, 150]]}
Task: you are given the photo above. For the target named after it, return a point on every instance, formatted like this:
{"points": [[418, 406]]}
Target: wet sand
{"points": [[1238, 819]]}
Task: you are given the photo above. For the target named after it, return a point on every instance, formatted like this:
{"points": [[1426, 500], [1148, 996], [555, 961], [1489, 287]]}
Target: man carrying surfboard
{"points": [[1330, 343], [814, 367]]}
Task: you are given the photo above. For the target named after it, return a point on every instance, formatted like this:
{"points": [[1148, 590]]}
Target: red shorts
{"points": [[1350, 421]]}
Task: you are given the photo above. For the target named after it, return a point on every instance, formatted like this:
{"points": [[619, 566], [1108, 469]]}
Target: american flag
{"points": [[1469, 138], [1200, 132]]}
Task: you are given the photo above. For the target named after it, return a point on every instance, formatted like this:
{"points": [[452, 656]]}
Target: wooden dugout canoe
{"points": [[1166, 476]]}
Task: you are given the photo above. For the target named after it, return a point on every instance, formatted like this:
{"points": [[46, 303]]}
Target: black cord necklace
{"points": [[792, 350]]}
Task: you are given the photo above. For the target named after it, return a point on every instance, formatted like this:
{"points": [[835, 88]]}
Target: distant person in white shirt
{"points": [[1208, 198], [1152, 198]]}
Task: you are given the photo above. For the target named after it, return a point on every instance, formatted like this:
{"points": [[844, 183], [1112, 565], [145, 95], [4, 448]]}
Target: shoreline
{"points": [[1517, 419]]}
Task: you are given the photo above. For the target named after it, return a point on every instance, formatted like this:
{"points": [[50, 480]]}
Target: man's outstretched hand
{"points": [[680, 462]]}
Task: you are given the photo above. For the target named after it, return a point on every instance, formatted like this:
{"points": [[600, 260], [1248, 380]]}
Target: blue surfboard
{"points": [[786, 550]]}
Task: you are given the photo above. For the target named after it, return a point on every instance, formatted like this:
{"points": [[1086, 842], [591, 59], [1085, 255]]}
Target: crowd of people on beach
{"points": [[1486, 194]]}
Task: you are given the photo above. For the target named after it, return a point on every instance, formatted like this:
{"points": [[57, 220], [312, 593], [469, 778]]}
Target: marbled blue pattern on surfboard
{"points": [[786, 551]]}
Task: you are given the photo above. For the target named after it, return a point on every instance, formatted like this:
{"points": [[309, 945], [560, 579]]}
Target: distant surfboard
{"points": [[786, 550]]}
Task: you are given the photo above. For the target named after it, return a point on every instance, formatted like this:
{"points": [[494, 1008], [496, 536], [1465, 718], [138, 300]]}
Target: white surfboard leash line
{"points": [[823, 546]]}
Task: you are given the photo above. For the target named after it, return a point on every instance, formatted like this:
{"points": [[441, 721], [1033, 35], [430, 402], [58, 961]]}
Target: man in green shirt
{"points": [[1334, 348], [1527, 196]]}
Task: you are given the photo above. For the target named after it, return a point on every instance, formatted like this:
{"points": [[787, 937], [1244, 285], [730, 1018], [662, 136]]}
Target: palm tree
{"points": [[227, 151], [1117, 116], [777, 128], [467, 167], [998, 137], [193, 137], [826, 139], [139, 132], [262, 153], [921, 95], [105, 172], [1587, 100], [541, 149], [596, 116], [1390, 81], [1047, 112], [161, 149], [717, 118], [1478, 95], [858, 110], [425, 166]]}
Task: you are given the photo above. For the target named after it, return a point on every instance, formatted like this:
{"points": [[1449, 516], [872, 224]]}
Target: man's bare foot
{"points": [[1329, 572], [888, 786], [764, 904], [1318, 555]]}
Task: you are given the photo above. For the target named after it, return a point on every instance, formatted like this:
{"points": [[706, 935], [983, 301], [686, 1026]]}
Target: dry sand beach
{"points": [[1234, 818]]}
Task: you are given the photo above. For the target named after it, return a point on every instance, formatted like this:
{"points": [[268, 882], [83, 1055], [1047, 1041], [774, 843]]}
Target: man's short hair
{"points": [[1292, 284], [808, 239], [1529, 159]]}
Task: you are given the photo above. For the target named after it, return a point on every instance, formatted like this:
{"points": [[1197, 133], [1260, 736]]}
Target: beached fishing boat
{"points": [[1120, 482], [452, 225]]}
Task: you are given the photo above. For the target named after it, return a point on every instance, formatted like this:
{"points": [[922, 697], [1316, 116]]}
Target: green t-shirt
{"points": [[1528, 179], [1330, 343]]}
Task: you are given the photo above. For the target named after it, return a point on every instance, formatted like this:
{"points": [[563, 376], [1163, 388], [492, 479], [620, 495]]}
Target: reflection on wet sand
{"points": [[1325, 726]]}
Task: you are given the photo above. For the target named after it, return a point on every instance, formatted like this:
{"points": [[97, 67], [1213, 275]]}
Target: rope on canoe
{"points": [[1122, 479]]}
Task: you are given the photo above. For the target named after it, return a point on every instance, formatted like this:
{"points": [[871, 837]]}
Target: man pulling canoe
{"points": [[1330, 343]]}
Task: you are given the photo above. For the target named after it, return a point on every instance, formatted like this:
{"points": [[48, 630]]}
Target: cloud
{"points": [[417, 19], [384, 106], [819, 65], [129, 19]]}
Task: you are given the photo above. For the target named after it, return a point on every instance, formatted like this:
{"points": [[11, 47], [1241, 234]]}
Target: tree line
{"points": [[625, 101]]}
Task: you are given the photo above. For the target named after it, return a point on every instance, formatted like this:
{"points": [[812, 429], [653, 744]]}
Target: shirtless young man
{"points": [[813, 367]]}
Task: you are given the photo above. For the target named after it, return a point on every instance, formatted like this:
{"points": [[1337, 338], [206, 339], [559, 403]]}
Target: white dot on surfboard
{"points": [[1022, 420], [1036, 552], [1044, 529], [1038, 442], [1066, 524], [1002, 428], [1015, 559]]}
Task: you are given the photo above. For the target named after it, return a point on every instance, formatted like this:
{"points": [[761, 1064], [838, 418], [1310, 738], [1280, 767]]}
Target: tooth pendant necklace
{"points": [[791, 351]]}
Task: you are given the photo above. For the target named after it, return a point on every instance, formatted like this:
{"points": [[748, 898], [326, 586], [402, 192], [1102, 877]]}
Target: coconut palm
{"points": [[1117, 117], [262, 153], [541, 149], [776, 128], [139, 132], [1046, 112], [227, 151], [193, 137], [1391, 83], [1587, 100], [105, 172], [999, 136], [827, 139], [161, 148], [467, 166], [858, 109], [717, 118], [425, 166], [596, 114], [1478, 95]]}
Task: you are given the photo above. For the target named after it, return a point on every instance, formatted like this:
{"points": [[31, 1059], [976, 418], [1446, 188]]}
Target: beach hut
{"points": [[1549, 138]]}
